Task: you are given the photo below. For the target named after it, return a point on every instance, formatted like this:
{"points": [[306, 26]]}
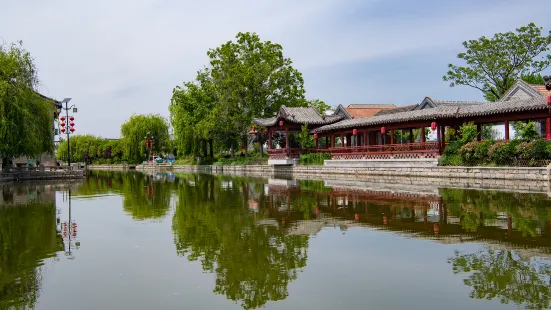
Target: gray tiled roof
{"points": [[457, 102], [298, 116], [442, 112], [371, 106], [397, 110]]}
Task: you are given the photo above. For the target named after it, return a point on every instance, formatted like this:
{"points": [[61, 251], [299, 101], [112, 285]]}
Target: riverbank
{"points": [[22, 176], [511, 178]]}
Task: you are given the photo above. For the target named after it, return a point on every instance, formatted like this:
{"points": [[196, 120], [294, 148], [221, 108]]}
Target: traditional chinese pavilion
{"points": [[375, 137]]}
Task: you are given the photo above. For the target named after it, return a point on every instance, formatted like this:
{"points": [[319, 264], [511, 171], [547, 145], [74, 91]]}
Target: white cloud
{"points": [[115, 58]]}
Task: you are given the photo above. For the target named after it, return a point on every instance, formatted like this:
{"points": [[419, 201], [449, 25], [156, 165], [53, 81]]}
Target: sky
{"points": [[116, 58]]}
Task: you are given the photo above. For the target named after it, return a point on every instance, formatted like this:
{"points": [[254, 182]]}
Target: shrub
{"points": [[314, 158], [503, 152], [451, 160], [481, 151], [468, 133], [467, 153]]}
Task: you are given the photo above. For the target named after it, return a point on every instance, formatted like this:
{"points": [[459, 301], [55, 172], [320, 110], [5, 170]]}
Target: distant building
{"points": [[353, 111]]}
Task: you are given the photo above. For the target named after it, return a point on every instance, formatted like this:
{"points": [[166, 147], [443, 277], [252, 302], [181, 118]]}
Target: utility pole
{"points": [[69, 126]]}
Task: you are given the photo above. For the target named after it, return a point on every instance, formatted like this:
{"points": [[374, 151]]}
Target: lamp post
{"points": [[69, 126]]}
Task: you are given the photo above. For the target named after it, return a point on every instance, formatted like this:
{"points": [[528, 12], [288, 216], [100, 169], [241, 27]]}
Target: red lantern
{"points": [[316, 136], [71, 124], [357, 217], [62, 118], [63, 129], [355, 131], [71, 118], [72, 129], [433, 125], [62, 124], [280, 123], [548, 100], [383, 130]]}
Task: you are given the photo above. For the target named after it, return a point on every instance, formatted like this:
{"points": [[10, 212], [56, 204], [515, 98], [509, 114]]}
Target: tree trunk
{"points": [[5, 164], [204, 148], [232, 149], [211, 148]]}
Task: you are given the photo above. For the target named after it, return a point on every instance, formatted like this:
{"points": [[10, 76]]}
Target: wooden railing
{"points": [[407, 150]]}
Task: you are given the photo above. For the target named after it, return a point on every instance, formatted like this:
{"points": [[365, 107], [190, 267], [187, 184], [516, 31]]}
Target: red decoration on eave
{"points": [[433, 125], [548, 100], [280, 123], [383, 130], [355, 131], [315, 136]]}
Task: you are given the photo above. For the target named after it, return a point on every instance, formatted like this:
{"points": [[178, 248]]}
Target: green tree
{"points": [[26, 118], [304, 138], [492, 65], [194, 116], [252, 78], [319, 105], [134, 132]]}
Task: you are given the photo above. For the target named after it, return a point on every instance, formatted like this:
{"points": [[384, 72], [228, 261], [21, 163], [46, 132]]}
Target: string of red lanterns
{"points": [[433, 125]]}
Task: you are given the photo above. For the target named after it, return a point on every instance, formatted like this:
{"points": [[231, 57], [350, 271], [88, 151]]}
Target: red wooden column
{"points": [[332, 141], [479, 132], [423, 134], [366, 138], [342, 140], [507, 130], [392, 136], [286, 137], [270, 139], [411, 135], [548, 128]]}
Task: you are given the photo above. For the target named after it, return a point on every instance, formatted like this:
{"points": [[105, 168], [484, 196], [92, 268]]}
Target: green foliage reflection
{"points": [[507, 276], [253, 263]]}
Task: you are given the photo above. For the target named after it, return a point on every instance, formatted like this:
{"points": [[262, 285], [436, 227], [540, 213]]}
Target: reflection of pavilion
{"points": [[413, 211]]}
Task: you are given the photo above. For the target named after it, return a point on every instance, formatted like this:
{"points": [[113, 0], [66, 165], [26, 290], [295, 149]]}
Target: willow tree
{"points": [[134, 133], [26, 118], [192, 115]]}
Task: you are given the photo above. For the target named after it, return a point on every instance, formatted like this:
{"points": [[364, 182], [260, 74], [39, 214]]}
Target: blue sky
{"points": [[116, 58]]}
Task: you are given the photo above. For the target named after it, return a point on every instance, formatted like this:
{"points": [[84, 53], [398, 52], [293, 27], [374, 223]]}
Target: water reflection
{"points": [[28, 235], [144, 196], [505, 275], [253, 234], [214, 222]]}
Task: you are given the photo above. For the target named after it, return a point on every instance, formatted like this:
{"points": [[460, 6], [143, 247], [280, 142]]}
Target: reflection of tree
{"points": [[143, 197], [253, 263], [528, 211], [27, 236], [504, 275]]}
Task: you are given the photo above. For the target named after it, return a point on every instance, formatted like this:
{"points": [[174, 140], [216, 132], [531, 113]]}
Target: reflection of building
{"points": [[414, 211]]}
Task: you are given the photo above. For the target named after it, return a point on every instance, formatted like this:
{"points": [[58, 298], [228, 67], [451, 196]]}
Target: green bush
{"points": [[467, 153], [503, 153], [481, 151], [314, 158]]}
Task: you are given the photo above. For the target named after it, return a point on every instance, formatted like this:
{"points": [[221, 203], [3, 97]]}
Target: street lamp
{"points": [[68, 127]]}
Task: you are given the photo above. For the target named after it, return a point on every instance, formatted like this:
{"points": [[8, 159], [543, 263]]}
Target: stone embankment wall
{"points": [[111, 167], [513, 178], [41, 175]]}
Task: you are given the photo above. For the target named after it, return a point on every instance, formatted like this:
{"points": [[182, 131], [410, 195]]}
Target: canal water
{"points": [[198, 241]]}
